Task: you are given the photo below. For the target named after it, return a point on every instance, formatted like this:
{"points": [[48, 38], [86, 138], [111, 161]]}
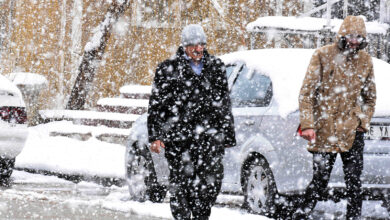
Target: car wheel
{"points": [[141, 177], [6, 168], [258, 186]]}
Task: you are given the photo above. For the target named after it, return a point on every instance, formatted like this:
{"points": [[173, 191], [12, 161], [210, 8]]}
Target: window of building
{"points": [[368, 8]]}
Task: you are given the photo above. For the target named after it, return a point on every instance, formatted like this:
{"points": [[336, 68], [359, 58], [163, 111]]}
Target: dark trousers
{"points": [[195, 179], [352, 167]]}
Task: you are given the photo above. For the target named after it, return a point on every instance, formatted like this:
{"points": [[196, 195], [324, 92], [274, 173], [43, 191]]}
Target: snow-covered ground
{"points": [[93, 157], [84, 194], [116, 199]]}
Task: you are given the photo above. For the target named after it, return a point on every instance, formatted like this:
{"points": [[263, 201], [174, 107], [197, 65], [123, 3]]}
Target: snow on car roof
{"points": [[7, 85], [25, 78], [308, 24], [287, 68]]}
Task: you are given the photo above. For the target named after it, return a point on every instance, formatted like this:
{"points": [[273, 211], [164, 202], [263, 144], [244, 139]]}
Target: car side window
{"points": [[251, 89]]}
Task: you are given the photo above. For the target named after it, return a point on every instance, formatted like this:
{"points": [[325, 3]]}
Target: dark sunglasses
{"points": [[343, 41], [358, 37]]}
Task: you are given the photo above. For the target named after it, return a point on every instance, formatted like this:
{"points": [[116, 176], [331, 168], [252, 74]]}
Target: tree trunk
{"points": [[93, 53]]}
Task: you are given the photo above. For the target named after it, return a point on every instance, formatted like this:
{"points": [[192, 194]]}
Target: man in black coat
{"points": [[190, 117]]}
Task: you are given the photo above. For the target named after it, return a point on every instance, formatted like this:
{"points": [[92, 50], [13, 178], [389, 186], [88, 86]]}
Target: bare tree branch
{"points": [[93, 53]]}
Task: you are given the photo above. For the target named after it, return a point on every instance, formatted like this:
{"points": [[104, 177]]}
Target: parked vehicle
{"points": [[269, 160], [13, 127]]}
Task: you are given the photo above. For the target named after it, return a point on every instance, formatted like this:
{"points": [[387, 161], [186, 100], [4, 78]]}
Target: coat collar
{"points": [[206, 59]]}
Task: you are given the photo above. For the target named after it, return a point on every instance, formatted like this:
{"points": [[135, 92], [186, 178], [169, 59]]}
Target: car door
{"points": [[286, 153], [250, 95], [259, 128]]}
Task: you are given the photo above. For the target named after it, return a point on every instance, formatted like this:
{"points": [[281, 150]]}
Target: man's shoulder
{"points": [[214, 60], [168, 63], [327, 49]]}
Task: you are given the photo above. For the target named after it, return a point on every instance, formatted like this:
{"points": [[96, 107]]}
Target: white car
{"points": [[13, 127], [270, 160]]}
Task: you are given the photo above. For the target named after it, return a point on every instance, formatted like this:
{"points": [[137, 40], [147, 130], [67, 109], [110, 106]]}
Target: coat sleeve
{"points": [[227, 122], [368, 94], [307, 96], [157, 104]]}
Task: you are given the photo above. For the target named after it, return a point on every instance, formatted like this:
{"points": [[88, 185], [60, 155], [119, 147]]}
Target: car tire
{"points": [[259, 186], [141, 176], [6, 169]]}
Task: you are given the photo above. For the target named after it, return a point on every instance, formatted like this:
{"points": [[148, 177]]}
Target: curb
{"points": [[104, 181]]}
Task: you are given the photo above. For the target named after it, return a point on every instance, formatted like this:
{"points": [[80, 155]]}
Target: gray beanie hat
{"points": [[193, 34]]}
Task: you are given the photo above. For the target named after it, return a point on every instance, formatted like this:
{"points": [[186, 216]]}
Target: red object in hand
{"points": [[299, 130]]}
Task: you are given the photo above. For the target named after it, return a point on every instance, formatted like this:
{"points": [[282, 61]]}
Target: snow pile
{"points": [[163, 211], [135, 89], [67, 127], [370, 209], [31, 79], [123, 102], [69, 156], [83, 114], [6, 85]]}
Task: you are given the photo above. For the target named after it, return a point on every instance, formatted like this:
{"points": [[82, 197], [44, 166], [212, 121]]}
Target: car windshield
{"points": [[229, 70], [251, 89]]}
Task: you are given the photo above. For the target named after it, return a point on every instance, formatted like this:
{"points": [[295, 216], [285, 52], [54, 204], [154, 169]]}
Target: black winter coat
{"points": [[184, 106]]}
